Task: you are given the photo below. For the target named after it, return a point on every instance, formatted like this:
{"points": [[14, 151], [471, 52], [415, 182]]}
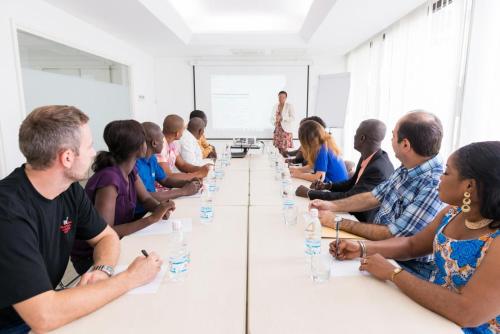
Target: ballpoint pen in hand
{"points": [[337, 239]]}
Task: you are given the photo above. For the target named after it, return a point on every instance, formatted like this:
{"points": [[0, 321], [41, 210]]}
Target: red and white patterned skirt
{"points": [[281, 139]]}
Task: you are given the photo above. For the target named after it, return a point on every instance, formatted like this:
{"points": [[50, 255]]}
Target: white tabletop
{"points": [[281, 296], [232, 190], [211, 300], [283, 299]]}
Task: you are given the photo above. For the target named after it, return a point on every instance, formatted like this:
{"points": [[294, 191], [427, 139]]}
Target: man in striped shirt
{"points": [[408, 201]]}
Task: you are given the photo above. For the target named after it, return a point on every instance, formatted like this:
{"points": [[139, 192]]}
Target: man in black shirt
{"points": [[42, 210]]}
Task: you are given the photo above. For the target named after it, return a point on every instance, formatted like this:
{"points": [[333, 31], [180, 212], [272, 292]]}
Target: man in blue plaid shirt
{"points": [[408, 201]]}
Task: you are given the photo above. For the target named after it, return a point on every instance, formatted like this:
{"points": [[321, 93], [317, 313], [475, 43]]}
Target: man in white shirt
{"points": [[189, 148]]}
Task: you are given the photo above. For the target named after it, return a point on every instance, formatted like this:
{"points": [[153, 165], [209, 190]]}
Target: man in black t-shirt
{"points": [[42, 210]]}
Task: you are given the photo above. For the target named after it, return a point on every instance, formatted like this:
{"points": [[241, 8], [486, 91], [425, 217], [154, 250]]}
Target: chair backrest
{"points": [[350, 166]]}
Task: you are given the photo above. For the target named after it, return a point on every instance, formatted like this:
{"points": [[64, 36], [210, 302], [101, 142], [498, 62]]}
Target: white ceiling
{"points": [[205, 28], [223, 16]]}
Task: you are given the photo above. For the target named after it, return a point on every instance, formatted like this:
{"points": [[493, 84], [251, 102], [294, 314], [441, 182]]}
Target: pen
{"points": [[337, 239], [144, 253]]}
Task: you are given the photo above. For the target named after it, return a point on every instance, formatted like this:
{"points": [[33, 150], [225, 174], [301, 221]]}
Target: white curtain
{"points": [[414, 64], [481, 107]]}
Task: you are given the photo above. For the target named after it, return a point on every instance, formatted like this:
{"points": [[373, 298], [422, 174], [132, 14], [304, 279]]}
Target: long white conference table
{"points": [[248, 275]]}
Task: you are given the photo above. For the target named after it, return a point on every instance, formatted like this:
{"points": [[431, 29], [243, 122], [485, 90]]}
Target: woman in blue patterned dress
{"points": [[465, 286]]}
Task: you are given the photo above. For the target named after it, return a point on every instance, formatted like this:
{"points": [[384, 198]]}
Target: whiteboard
{"points": [[331, 99]]}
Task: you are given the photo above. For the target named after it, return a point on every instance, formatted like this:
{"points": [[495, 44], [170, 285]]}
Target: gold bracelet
{"points": [[395, 272]]}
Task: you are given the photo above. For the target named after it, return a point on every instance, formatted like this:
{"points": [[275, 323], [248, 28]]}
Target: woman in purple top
{"points": [[115, 187]]}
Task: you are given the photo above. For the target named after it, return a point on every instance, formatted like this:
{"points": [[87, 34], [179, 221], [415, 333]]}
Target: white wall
{"points": [[326, 65], [174, 87], [40, 18]]}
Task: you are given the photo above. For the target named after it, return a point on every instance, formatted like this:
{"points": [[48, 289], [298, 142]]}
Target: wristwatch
{"points": [[395, 272], [108, 270]]}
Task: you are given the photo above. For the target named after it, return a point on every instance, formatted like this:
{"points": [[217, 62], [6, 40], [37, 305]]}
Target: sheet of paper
{"points": [[165, 227], [346, 268], [349, 268], [148, 288]]}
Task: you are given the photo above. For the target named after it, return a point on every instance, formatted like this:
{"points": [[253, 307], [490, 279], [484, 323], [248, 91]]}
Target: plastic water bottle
{"points": [[211, 180], [288, 199], [272, 157], [178, 259], [289, 208], [207, 206], [223, 157], [286, 183], [279, 166], [313, 235], [227, 156], [219, 169], [286, 189]]}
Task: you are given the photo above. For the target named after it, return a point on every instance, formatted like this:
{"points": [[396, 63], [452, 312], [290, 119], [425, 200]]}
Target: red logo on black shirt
{"points": [[66, 225]]}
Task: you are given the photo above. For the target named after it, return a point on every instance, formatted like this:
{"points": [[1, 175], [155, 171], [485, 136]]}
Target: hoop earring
{"points": [[466, 202]]}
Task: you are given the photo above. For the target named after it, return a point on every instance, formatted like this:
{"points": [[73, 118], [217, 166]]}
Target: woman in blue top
{"points": [[465, 285], [322, 154]]}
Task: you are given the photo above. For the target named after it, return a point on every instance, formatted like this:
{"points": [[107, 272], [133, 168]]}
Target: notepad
{"points": [[329, 233], [165, 227], [149, 288], [349, 268]]}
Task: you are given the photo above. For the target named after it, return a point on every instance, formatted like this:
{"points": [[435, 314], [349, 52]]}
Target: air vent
{"points": [[440, 4], [248, 52], [289, 52]]}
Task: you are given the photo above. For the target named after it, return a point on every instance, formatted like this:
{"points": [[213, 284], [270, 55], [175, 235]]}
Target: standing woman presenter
{"points": [[283, 118]]}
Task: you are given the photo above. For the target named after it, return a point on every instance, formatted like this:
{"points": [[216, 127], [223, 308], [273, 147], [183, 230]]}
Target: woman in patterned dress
{"points": [[465, 285], [282, 118]]}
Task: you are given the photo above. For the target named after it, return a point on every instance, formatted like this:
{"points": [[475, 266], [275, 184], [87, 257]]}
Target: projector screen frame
{"points": [[195, 106]]}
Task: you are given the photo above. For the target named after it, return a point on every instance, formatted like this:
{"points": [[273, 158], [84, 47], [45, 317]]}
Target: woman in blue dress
{"points": [[465, 285]]}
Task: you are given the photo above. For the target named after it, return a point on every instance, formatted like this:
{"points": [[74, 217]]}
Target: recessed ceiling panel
{"points": [[228, 16]]}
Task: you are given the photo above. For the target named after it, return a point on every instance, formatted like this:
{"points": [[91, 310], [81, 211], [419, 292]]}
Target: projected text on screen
{"points": [[244, 101]]}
